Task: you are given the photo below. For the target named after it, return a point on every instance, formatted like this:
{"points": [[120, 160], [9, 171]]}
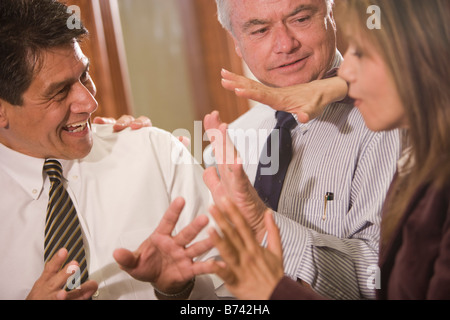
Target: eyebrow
{"points": [[54, 87], [259, 22]]}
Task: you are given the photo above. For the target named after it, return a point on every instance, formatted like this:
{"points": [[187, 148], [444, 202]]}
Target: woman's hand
{"points": [[307, 100]]}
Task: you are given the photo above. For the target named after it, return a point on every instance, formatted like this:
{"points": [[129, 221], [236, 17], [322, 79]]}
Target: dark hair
{"points": [[27, 28]]}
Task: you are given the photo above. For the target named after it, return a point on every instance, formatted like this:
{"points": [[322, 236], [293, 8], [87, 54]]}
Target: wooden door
{"points": [[105, 49]]}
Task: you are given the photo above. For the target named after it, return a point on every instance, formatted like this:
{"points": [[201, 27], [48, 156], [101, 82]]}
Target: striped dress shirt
{"points": [[335, 153]]}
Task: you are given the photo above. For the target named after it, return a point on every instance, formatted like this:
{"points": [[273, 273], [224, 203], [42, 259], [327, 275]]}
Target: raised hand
{"points": [[166, 260], [54, 277], [230, 180], [307, 100], [248, 270]]}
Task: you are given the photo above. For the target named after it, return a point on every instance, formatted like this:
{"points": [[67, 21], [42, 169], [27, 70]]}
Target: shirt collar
{"points": [[26, 170], [406, 162]]}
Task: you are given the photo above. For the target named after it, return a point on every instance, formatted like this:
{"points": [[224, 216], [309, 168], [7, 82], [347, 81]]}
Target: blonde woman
{"points": [[398, 76]]}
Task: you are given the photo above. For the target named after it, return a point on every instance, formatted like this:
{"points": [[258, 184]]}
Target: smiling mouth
{"points": [[76, 127], [292, 63]]}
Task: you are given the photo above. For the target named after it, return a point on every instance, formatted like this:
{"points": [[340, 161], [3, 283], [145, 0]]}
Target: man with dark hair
{"points": [[72, 194], [22, 47]]}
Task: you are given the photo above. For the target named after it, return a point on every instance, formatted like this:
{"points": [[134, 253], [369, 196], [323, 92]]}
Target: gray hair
{"points": [[224, 14]]}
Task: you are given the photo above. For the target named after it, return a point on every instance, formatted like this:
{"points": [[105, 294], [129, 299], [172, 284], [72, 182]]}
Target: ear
{"points": [[3, 114]]}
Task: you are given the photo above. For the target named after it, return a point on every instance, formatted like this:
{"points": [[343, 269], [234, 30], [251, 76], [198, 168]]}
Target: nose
{"points": [[284, 40], [84, 100], [346, 70]]}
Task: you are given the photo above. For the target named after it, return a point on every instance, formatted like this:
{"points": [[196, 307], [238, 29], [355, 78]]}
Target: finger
{"points": [[188, 233], [123, 122], [215, 267], [85, 291], [185, 140], [140, 122], [212, 181], [104, 120], [235, 78], [302, 117], [199, 248], [211, 124], [232, 155], [61, 279], [56, 262], [231, 240], [125, 258], [227, 251], [204, 267], [229, 85], [273, 235], [224, 149], [210, 120], [241, 227], [170, 218], [216, 130]]}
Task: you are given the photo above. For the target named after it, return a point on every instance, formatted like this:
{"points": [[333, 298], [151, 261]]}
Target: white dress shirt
{"points": [[334, 153], [120, 191]]}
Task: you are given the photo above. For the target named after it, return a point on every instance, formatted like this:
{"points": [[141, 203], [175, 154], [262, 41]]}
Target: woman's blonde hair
{"points": [[414, 41]]}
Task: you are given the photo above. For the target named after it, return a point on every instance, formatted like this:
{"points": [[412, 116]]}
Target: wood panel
{"points": [[105, 49], [210, 49]]}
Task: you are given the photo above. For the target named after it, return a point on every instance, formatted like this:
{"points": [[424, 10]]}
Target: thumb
{"points": [[125, 258], [273, 235]]}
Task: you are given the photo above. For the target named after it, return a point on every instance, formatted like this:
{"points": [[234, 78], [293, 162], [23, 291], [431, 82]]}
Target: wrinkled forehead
{"points": [[244, 13], [58, 65]]}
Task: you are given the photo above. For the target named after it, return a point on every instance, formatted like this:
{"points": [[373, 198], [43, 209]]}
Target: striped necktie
{"points": [[62, 228], [270, 175]]}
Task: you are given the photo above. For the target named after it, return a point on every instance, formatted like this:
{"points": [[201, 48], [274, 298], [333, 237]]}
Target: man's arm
{"points": [[343, 268], [336, 267]]}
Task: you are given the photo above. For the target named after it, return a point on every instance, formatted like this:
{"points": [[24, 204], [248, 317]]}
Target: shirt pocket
{"points": [[322, 216]]}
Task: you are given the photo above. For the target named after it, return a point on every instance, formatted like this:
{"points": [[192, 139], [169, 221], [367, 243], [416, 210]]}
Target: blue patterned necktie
{"points": [[62, 228], [272, 170]]}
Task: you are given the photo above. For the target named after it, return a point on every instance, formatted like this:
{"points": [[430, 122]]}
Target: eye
{"points": [[62, 94], [303, 19], [355, 50], [357, 53], [259, 31]]}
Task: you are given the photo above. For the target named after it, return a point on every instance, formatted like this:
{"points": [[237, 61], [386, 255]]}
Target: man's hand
{"points": [[125, 121], [232, 182], [166, 260], [53, 279]]}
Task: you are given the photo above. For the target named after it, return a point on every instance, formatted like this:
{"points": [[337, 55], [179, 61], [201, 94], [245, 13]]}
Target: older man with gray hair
{"points": [[329, 206]]}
